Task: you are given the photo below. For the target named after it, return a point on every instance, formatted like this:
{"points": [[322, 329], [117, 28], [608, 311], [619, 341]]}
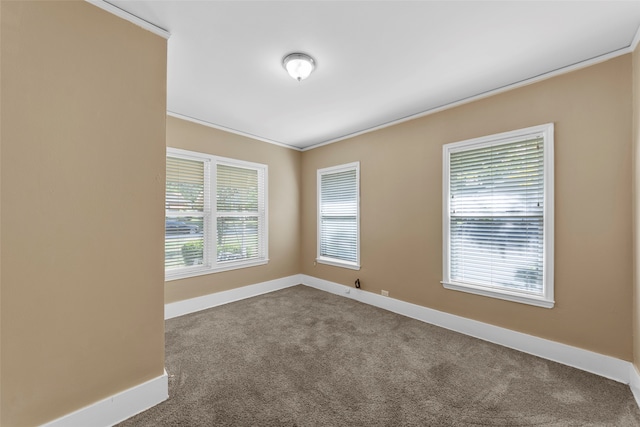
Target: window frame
{"points": [[336, 262], [546, 298], [210, 263]]}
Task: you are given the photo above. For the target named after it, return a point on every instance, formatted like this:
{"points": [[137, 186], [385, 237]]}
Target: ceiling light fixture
{"points": [[298, 65]]}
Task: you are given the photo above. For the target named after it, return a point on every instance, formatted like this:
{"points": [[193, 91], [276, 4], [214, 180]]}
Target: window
{"points": [[339, 216], [498, 216], [216, 214]]}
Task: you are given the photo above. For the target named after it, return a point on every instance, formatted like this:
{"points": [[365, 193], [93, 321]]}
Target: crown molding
{"points": [[103, 4], [489, 93], [230, 130], [635, 41], [115, 10]]}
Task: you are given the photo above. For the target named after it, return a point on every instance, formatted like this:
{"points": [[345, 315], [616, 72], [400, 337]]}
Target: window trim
{"points": [[210, 264], [546, 299], [328, 260]]}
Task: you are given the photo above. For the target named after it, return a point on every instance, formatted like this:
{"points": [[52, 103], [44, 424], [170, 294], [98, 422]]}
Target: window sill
{"points": [[501, 294], [201, 271], [338, 263]]}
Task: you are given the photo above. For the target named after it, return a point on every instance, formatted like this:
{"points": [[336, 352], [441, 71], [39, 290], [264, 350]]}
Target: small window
{"points": [[339, 216], [216, 214], [498, 216]]}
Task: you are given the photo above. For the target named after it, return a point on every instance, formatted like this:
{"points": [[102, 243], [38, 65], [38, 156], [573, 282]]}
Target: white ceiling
{"points": [[377, 62]]}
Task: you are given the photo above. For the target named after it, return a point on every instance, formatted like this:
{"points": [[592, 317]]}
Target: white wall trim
{"points": [[118, 407], [483, 95], [102, 4], [230, 130], [634, 42], [449, 150], [599, 364], [634, 382], [128, 403], [192, 305]]}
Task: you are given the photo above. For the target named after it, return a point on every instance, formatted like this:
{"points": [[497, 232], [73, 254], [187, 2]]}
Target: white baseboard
{"points": [[599, 364], [118, 407], [192, 305], [634, 382], [128, 403]]}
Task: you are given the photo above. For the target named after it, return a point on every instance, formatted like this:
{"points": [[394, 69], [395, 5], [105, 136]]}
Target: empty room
{"points": [[319, 213]]}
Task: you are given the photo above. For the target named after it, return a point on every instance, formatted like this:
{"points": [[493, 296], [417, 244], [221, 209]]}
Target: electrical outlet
{"points": [[384, 293]]}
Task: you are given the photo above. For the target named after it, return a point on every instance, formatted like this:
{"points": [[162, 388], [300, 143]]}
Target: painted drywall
{"points": [[0, 219], [283, 206], [82, 171], [401, 205], [636, 208]]}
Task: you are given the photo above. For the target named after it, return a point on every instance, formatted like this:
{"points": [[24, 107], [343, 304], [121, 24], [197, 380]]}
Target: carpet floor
{"points": [[303, 357]]}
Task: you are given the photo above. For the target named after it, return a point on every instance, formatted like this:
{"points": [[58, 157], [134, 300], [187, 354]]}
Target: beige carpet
{"points": [[303, 357]]}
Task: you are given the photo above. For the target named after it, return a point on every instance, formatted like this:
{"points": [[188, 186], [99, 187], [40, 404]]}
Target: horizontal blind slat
{"points": [[184, 243], [185, 185], [338, 215], [496, 215], [240, 223], [237, 188]]}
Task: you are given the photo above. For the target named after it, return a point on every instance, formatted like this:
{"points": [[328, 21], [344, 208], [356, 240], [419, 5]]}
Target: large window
{"points": [[339, 216], [216, 214], [498, 216]]}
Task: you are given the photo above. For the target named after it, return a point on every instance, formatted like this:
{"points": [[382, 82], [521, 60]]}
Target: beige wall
{"points": [[401, 202], [82, 174], [283, 205], [0, 218], [636, 208]]}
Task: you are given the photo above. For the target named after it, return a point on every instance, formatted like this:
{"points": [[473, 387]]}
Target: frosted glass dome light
{"points": [[298, 65]]}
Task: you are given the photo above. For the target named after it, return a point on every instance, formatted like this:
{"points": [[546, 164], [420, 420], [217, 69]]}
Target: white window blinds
{"points": [[216, 214], [497, 214], [240, 213], [338, 228], [187, 210]]}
